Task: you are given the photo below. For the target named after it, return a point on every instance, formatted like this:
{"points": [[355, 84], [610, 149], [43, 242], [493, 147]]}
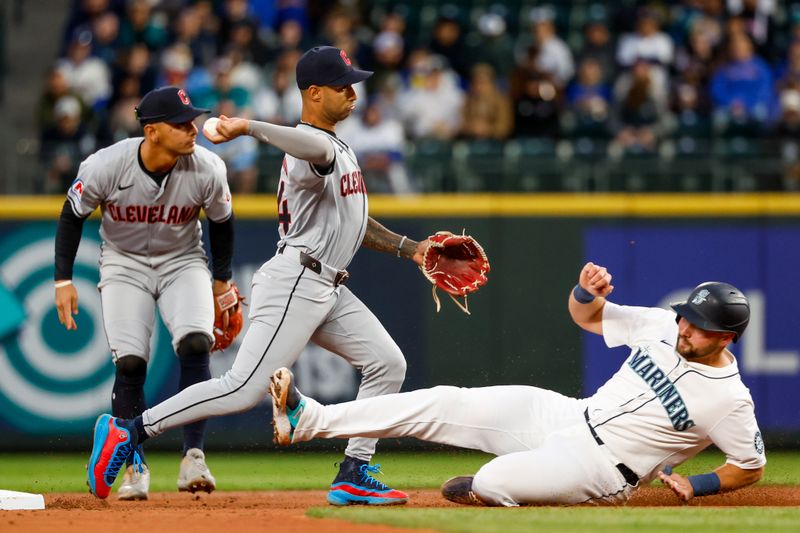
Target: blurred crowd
{"points": [[628, 72]]}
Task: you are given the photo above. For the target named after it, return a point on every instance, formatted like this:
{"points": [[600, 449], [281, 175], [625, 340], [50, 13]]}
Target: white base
{"points": [[11, 500]]}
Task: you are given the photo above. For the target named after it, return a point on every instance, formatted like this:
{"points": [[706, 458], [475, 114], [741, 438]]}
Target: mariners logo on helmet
{"points": [[700, 297]]}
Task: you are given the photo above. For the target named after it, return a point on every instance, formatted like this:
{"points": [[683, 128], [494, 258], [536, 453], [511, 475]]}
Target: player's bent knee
{"points": [[194, 344], [490, 491], [131, 367]]}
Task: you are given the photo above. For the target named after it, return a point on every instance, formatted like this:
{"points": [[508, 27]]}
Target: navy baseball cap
{"points": [[167, 104], [327, 66]]}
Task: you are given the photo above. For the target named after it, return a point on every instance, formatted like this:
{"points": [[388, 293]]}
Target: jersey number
{"points": [[284, 218]]}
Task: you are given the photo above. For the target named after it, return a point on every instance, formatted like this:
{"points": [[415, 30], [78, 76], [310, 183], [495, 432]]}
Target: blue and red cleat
{"points": [[114, 443], [355, 485]]}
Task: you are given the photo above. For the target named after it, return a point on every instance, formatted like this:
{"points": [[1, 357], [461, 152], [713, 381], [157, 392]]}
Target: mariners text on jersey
{"points": [[663, 387]]}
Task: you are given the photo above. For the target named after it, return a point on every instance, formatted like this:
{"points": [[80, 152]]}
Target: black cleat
{"points": [[459, 490]]}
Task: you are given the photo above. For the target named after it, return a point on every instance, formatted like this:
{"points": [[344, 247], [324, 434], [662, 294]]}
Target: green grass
{"points": [[569, 519], [44, 473], [304, 470]]}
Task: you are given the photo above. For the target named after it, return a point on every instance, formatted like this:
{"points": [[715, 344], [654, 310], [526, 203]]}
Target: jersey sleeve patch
{"points": [[76, 190], [758, 443]]}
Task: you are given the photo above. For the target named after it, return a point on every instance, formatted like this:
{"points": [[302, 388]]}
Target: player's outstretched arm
{"points": [[381, 239], [301, 144], [587, 299], [724, 479]]}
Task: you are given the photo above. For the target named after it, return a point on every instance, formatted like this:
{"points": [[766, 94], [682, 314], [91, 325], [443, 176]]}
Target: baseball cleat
{"points": [[135, 483], [354, 485], [113, 444], [194, 475], [287, 405], [459, 490]]}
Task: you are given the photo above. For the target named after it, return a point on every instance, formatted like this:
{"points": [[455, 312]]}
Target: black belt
{"points": [[630, 476], [316, 266]]}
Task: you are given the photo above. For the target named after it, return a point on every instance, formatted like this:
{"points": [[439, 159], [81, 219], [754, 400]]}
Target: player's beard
{"points": [[689, 352]]}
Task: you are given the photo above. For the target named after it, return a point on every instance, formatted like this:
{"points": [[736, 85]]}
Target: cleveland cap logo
{"points": [[700, 297], [345, 58], [184, 97]]}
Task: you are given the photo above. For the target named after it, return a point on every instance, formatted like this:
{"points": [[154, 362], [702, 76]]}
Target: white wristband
{"points": [[64, 283], [400, 246]]}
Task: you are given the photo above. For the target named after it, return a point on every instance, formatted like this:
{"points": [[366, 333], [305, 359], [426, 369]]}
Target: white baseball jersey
{"points": [[323, 215], [141, 218], [660, 409]]}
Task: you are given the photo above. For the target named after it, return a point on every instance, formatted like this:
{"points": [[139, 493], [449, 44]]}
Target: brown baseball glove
{"points": [[456, 264], [228, 319]]}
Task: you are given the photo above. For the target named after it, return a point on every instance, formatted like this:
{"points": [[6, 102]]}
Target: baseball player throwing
{"points": [[299, 294], [150, 190], [677, 392]]}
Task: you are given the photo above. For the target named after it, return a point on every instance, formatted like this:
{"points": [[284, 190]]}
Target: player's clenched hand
{"points": [[67, 305], [679, 485], [595, 279], [228, 128]]}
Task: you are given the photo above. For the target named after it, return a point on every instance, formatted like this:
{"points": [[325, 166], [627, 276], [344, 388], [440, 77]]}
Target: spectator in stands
{"points": [[290, 36], [56, 86], [742, 88], [755, 15], [432, 105], [536, 97], [232, 13], [647, 43], [88, 76], [135, 62], [65, 145], [280, 102], [494, 46], [487, 109], [599, 47], [379, 145], [83, 13], [340, 31], [699, 53], [224, 88], [589, 100], [188, 30], [641, 115], [447, 41], [240, 155], [140, 26], [105, 35], [243, 37], [122, 121], [553, 58], [388, 51]]}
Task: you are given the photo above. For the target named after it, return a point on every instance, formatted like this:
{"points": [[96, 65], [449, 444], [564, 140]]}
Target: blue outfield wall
{"points": [[53, 383]]}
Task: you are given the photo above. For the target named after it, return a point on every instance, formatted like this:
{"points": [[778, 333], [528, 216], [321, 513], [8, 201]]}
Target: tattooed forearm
{"points": [[383, 240]]}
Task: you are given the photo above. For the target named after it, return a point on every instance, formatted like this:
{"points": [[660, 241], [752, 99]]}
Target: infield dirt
{"points": [[284, 511]]}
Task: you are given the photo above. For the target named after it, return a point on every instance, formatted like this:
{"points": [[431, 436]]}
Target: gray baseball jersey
{"points": [[142, 218], [152, 241], [325, 216], [292, 304]]}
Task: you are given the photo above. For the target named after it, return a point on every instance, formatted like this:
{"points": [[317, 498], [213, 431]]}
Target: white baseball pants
{"points": [[546, 453]]}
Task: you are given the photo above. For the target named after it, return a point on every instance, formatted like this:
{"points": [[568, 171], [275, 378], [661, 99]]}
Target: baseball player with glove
{"points": [[299, 295], [150, 190], [678, 391]]}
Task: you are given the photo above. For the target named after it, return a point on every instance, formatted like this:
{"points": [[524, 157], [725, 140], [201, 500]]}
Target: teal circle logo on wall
{"points": [[53, 380]]}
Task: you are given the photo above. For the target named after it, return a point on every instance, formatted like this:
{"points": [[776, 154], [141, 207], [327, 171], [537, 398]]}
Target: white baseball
{"points": [[210, 126]]}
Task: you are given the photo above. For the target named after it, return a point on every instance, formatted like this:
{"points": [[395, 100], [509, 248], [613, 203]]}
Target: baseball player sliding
{"points": [[677, 392], [150, 190], [299, 294]]}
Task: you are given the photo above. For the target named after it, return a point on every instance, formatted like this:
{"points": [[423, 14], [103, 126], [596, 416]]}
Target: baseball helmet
{"points": [[716, 306]]}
